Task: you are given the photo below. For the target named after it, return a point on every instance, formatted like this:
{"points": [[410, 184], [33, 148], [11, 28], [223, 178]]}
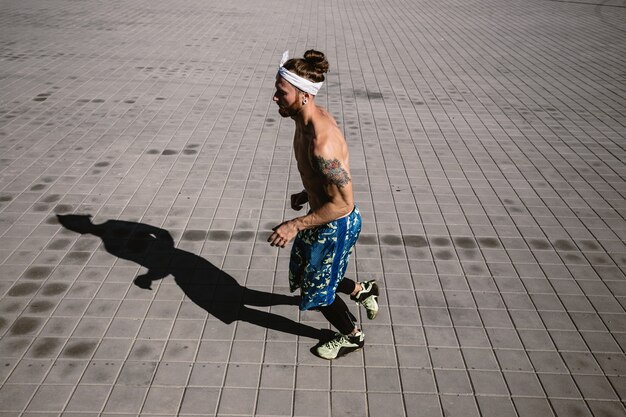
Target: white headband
{"points": [[295, 80]]}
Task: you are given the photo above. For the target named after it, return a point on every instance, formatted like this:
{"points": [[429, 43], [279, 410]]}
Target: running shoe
{"points": [[368, 298], [341, 345]]}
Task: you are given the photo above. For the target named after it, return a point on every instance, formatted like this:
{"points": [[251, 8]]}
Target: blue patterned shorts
{"points": [[319, 258]]}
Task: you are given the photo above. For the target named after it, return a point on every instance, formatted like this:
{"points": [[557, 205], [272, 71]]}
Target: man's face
{"points": [[286, 97]]}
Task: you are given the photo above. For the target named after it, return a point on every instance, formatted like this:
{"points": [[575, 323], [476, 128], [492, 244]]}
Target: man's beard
{"points": [[287, 111]]}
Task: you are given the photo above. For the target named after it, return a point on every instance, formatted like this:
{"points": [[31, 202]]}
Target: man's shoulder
{"points": [[324, 117], [327, 133]]}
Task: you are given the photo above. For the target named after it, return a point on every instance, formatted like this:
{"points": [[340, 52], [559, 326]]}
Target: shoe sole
{"points": [[374, 313], [375, 293]]}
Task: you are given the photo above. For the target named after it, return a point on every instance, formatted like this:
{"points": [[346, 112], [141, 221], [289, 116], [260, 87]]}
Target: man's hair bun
{"points": [[312, 67], [318, 60]]}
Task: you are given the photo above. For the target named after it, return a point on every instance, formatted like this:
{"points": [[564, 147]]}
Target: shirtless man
{"points": [[324, 237]]}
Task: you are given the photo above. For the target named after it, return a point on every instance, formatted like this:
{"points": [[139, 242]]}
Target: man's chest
{"points": [[304, 155]]}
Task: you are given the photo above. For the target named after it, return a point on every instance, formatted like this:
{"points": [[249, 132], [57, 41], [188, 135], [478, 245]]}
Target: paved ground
{"points": [[489, 160]]}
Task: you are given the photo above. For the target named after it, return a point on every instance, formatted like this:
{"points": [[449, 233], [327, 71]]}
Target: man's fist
{"points": [[299, 199]]}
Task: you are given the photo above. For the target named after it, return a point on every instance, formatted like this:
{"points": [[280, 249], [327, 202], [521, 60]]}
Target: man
{"points": [[325, 236]]}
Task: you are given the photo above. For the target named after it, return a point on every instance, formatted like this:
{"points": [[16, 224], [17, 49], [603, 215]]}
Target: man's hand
{"points": [[283, 233], [299, 199]]}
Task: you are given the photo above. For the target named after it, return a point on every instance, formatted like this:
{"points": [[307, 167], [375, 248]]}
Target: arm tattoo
{"points": [[332, 171]]}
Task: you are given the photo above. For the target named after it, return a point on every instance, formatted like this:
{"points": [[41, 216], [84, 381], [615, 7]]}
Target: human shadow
{"points": [[206, 285]]}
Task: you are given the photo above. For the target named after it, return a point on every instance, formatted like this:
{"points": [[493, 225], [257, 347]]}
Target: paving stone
{"points": [[532, 406], [137, 373], [559, 386], [417, 380], [385, 403], [50, 398], [495, 406], [523, 384], [595, 387], [422, 405], [452, 382], [66, 371], [313, 377], [277, 376], [207, 375], [606, 407], [29, 371], [163, 400], [243, 375], [199, 401], [273, 402], [488, 383], [15, 397], [125, 399], [237, 401], [564, 407], [88, 398], [459, 405]]}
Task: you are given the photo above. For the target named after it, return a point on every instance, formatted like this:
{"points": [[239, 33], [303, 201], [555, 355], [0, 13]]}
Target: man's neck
{"points": [[305, 116]]}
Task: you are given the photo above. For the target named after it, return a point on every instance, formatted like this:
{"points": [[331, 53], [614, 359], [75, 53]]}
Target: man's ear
{"points": [[305, 97]]}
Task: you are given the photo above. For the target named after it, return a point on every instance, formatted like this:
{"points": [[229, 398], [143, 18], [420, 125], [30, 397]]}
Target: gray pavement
{"points": [[488, 153]]}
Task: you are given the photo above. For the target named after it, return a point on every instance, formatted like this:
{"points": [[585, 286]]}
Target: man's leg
{"points": [[350, 337], [364, 293], [339, 316], [347, 286]]}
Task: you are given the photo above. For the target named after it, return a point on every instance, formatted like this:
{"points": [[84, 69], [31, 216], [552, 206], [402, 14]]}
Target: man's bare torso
{"points": [[324, 129]]}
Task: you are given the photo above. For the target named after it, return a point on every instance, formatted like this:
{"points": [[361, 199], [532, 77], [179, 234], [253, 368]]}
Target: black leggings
{"points": [[337, 313]]}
